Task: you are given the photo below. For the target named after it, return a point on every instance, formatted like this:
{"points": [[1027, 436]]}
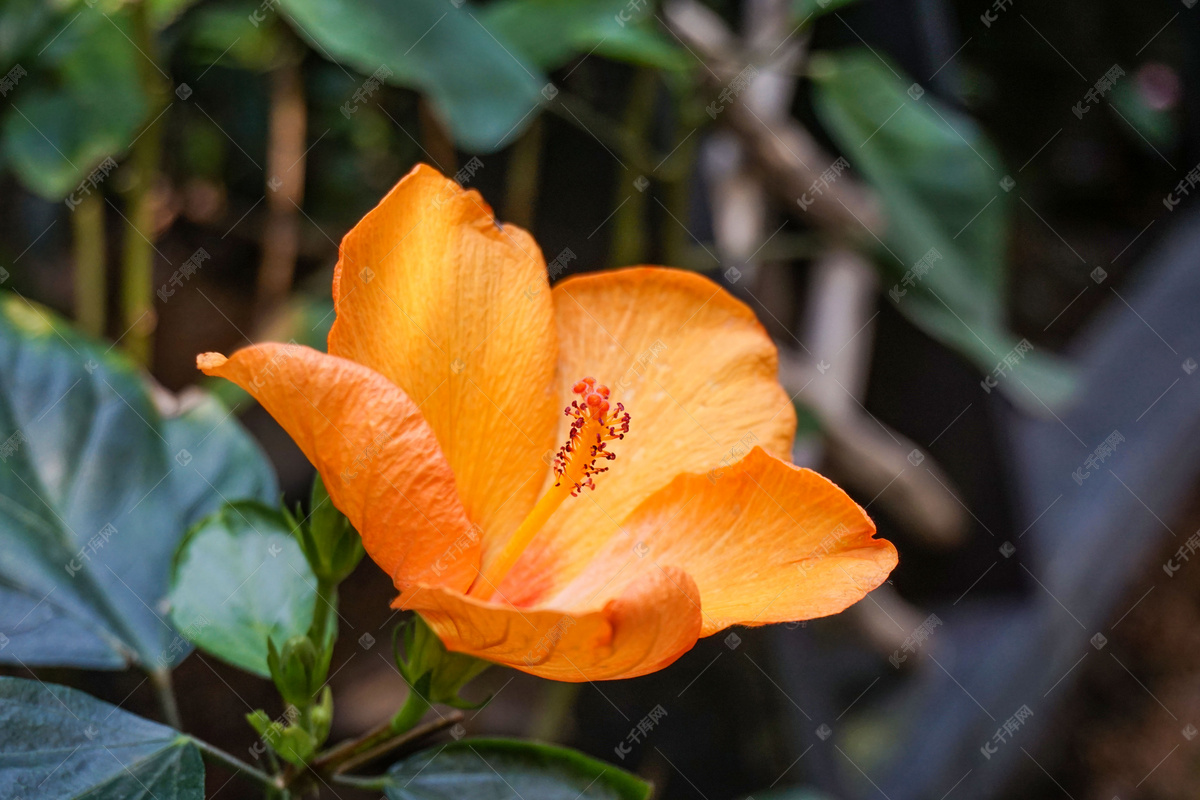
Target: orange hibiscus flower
{"points": [[594, 544]]}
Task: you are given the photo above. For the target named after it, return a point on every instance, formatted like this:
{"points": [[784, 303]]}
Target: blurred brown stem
{"points": [[782, 148], [524, 171], [91, 287], [287, 132]]}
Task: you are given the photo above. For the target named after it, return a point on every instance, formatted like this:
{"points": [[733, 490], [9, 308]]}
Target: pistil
{"points": [[594, 424]]}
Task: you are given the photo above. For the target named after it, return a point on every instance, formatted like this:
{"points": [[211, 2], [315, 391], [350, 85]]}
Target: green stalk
{"points": [[163, 687], [326, 601], [91, 289], [137, 266], [629, 245], [520, 201], [216, 755], [410, 713]]}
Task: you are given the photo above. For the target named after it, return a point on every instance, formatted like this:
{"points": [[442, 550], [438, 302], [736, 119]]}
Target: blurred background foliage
{"points": [[259, 132]]}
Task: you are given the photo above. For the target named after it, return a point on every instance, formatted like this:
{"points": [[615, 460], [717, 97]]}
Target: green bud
{"points": [[292, 743], [296, 745], [321, 716], [331, 545], [429, 667], [298, 669]]}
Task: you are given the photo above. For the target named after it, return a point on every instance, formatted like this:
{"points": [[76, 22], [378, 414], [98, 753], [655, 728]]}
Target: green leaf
{"points": [[484, 93], [97, 487], [549, 33], [57, 742], [497, 769], [82, 104], [239, 580], [940, 181]]}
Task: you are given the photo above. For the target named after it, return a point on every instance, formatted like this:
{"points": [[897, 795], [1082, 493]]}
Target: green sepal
{"points": [[298, 669], [330, 543], [424, 659]]}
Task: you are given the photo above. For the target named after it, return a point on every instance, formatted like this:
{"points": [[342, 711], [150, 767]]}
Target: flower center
{"points": [[594, 423]]}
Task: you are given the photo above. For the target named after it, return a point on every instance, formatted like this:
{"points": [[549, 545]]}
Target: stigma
{"points": [[595, 422]]}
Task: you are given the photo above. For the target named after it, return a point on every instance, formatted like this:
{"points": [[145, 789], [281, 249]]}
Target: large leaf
{"points": [[57, 742], [940, 181], [484, 92], [551, 32], [81, 102], [499, 769], [240, 579], [97, 487]]}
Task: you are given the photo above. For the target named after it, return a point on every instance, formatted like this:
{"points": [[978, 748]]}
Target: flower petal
{"points": [[765, 541], [379, 459], [454, 308], [648, 625], [698, 375]]}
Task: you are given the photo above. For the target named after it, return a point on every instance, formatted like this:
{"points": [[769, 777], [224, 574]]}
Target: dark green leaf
{"points": [[81, 104], [239, 580], [484, 93], [57, 742], [499, 769], [940, 181], [551, 32], [97, 487]]}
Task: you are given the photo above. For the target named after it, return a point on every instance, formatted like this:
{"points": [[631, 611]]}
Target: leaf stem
{"points": [[164, 688], [219, 756]]}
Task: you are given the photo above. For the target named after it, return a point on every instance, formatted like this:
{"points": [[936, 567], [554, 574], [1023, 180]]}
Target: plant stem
{"points": [[137, 268], [161, 680], [91, 289], [326, 601], [396, 742], [396, 731], [285, 187], [219, 756], [437, 143], [557, 701], [376, 784], [520, 201], [410, 713], [629, 245]]}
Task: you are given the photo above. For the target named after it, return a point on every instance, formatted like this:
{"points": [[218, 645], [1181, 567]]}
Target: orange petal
{"points": [[765, 541], [379, 459], [645, 627], [454, 308], [698, 375]]}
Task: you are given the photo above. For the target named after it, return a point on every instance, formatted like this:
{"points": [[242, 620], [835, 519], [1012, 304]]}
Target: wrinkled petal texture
{"points": [[646, 627], [455, 310], [765, 541], [379, 459], [697, 373]]}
